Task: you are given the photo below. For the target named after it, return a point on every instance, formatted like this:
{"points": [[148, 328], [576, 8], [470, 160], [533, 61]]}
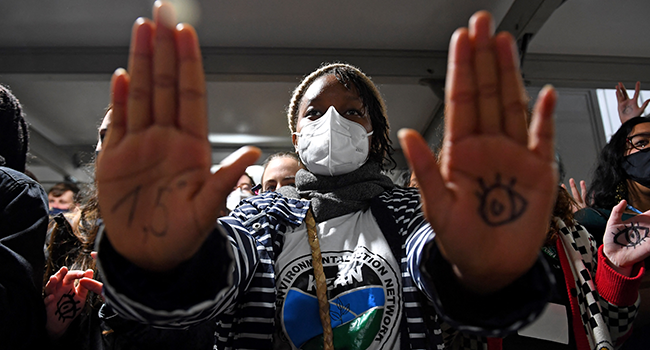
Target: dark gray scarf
{"points": [[333, 196]]}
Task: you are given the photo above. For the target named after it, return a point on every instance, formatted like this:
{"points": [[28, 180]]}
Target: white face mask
{"points": [[333, 145], [235, 197]]}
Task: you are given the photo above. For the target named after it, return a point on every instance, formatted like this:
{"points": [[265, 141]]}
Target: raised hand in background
{"points": [[626, 243], [629, 108], [65, 298]]}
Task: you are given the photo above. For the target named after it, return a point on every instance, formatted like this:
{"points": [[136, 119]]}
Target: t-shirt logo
{"points": [[363, 293]]}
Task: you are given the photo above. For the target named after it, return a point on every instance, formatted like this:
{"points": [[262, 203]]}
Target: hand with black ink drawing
{"points": [[65, 298], [626, 243], [158, 198], [490, 197], [629, 108]]}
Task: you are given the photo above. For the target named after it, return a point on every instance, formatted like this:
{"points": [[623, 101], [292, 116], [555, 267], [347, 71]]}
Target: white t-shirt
{"points": [[363, 283]]}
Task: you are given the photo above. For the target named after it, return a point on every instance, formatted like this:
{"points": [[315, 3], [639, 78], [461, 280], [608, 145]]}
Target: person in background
{"points": [[596, 299], [619, 175], [628, 108], [85, 321], [245, 184], [243, 189], [622, 175], [63, 198], [70, 271], [23, 225], [280, 170]]}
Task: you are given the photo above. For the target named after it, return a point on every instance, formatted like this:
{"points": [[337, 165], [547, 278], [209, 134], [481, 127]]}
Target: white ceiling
{"points": [[57, 56]]}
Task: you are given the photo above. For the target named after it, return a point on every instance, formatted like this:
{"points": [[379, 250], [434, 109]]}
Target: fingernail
{"points": [[234, 156], [547, 87], [402, 132], [166, 15]]}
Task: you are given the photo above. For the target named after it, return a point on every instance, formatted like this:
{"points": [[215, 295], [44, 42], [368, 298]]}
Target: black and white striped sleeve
{"points": [[197, 290]]}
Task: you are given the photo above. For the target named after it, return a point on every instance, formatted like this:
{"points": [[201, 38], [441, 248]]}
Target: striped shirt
{"points": [[251, 239]]}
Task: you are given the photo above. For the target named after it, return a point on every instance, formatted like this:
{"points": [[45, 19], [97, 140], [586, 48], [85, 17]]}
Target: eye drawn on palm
{"points": [[626, 242], [629, 108], [158, 198], [490, 198], [64, 299]]}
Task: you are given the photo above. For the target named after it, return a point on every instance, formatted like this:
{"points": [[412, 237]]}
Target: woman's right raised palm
{"points": [[158, 198]]}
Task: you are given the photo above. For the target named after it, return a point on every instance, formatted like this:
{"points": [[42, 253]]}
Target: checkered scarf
{"points": [[576, 247]]}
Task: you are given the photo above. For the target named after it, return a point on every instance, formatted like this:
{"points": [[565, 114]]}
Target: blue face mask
{"points": [[56, 211]]}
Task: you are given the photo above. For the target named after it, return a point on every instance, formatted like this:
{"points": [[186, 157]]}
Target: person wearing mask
{"points": [[62, 198], [621, 174], [344, 259], [243, 189]]}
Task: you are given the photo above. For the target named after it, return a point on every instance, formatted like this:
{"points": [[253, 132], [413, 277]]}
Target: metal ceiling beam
{"points": [[595, 72], [254, 64], [525, 18], [57, 159], [227, 64]]}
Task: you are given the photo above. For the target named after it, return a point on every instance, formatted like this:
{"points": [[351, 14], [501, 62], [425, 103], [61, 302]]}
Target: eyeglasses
{"points": [[639, 141], [244, 187]]}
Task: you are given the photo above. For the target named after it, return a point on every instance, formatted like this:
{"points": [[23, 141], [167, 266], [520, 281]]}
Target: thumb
{"points": [[92, 285], [617, 213], [644, 105], [220, 184], [425, 167]]}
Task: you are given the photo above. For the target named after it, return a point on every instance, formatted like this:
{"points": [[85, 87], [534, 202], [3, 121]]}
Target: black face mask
{"points": [[637, 167]]}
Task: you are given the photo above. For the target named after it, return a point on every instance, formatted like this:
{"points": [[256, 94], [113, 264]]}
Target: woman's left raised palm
{"points": [[490, 198]]}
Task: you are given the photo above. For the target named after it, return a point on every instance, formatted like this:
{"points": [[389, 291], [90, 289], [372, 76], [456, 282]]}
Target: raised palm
{"points": [[158, 198], [629, 108], [626, 242], [64, 299], [490, 198]]}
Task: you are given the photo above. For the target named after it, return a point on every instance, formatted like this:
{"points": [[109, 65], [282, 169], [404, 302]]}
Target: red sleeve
{"points": [[615, 288]]}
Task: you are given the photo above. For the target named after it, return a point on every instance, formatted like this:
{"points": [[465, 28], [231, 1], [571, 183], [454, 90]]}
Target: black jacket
{"points": [[23, 224]]}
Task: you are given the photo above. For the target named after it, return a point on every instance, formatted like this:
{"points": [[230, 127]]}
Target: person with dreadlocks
{"points": [[344, 259]]}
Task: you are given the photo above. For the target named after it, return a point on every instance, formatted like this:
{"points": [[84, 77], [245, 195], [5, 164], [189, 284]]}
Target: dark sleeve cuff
{"points": [[615, 288], [496, 314], [198, 279]]}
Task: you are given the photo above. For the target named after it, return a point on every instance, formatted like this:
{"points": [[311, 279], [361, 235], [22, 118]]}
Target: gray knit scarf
{"points": [[333, 196]]}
